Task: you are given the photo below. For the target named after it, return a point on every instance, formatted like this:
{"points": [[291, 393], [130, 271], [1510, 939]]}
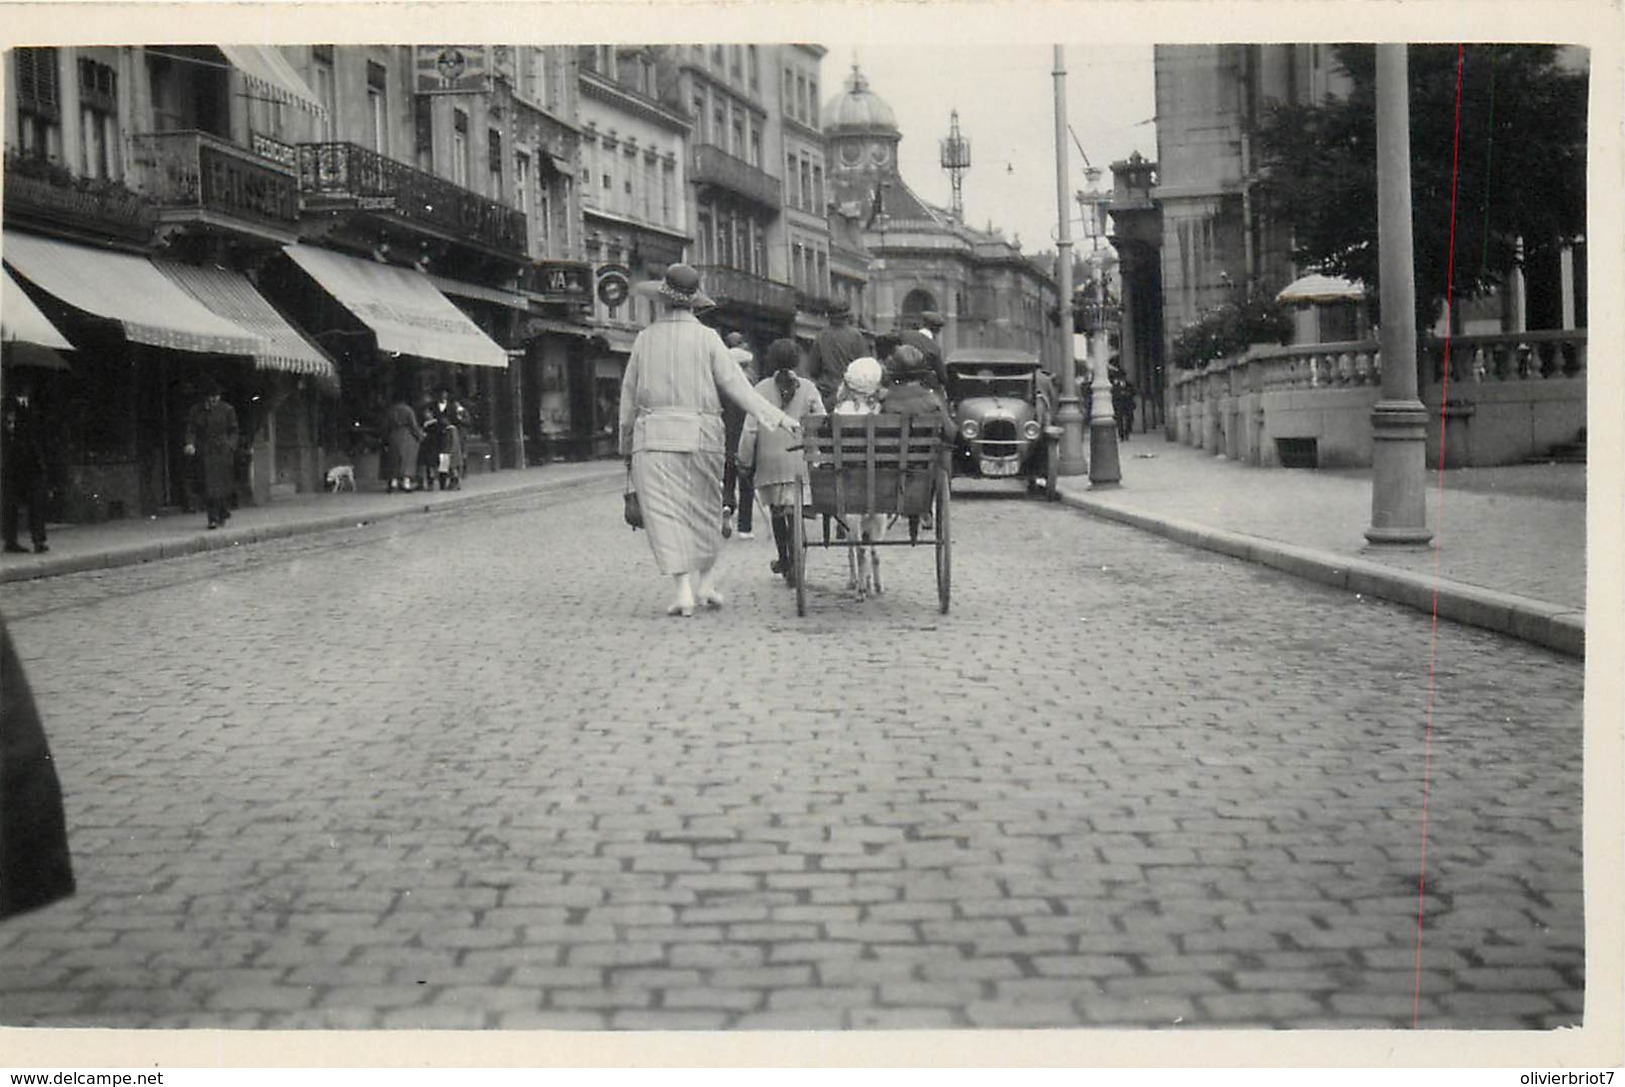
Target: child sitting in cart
{"points": [[859, 394]]}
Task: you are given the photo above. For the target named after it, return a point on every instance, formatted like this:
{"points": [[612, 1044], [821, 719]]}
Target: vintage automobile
{"points": [[1002, 400]]}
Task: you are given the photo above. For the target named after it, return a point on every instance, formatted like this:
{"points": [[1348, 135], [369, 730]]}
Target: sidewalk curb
{"points": [[1556, 627], [205, 541]]}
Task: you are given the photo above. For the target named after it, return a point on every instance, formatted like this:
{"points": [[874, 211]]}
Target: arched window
{"points": [[916, 302]]}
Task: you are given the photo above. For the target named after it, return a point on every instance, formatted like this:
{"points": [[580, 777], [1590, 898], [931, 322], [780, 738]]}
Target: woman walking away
{"points": [[770, 455], [673, 435]]}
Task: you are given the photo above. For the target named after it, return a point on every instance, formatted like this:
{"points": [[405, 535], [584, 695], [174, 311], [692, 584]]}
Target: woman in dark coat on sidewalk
{"points": [[211, 435]]}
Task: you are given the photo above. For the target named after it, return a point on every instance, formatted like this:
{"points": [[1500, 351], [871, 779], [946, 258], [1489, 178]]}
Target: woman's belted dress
{"points": [[671, 425]]}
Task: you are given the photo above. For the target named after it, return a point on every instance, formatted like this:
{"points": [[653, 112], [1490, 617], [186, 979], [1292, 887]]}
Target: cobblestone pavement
{"points": [[459, 771]]}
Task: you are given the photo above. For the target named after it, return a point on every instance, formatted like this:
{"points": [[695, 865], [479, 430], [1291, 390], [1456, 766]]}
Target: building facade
{"points": [[634, 207], [736, 194], [923, 259]]}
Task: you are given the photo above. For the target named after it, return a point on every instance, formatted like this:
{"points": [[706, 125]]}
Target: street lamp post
{"points": [[1105, 470], [1068, 413], [1398, 421]]}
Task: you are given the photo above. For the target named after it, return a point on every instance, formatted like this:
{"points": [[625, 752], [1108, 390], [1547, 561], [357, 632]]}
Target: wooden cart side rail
{"points": [[870, 454]]}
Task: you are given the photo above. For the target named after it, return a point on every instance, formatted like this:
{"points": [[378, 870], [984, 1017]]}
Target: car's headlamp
{"points": [[970, 428], [1030, 430]]}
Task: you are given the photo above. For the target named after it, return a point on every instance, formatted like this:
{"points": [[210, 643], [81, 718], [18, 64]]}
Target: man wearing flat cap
{"points": [[673, 436], [924, 340]]}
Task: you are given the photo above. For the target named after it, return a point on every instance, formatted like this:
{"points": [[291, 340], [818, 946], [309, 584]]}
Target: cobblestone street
{"points": [[461, 772]]}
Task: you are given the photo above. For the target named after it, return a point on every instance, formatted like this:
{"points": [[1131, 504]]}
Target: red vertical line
{"points": [[1433, 631]]}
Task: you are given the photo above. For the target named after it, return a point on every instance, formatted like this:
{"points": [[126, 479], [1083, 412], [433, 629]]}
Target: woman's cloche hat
{"points": [[680, 286]]}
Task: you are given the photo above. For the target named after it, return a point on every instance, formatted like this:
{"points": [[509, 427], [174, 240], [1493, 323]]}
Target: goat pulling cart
{"points": [[860, 467]]}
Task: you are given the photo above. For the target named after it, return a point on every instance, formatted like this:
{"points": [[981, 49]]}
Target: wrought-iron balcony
{"points": [[194, 175], [348, 176], [711, 166], [733, 286], [44, 195]]}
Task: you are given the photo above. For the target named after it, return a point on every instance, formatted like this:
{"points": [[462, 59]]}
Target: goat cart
{"points": [[878, 471]]}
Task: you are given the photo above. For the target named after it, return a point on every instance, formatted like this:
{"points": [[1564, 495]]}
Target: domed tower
{"points": [[862, 134]]}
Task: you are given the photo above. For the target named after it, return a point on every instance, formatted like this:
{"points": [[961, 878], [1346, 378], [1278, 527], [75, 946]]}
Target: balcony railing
{"points": [[711, 165], [198, 172], [730, 285], [346, 175], [46, 196]]}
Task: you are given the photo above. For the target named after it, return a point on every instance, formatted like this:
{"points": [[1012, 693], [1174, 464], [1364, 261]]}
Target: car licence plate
{"points": [[999, 468]]}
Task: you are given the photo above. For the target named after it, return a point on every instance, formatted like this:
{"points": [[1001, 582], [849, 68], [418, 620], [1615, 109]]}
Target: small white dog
{"points": [[341, 477], [859, 394]]}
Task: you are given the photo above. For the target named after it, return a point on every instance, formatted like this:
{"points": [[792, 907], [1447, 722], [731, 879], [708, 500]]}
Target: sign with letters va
{"points": [[452, 69], [561, 281]]}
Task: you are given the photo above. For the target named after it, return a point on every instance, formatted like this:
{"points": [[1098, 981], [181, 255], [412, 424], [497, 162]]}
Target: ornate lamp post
{"points": [[1105, 469], [1068, 414]]}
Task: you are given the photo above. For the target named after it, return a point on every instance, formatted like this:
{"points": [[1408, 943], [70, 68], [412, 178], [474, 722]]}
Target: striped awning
{"points": [[402, 308], [269, 73], [126, 289], [22, 322], [230, 295]]}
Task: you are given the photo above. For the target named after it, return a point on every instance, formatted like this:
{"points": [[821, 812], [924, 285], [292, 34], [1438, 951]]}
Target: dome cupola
{"points": [[859, 111]]}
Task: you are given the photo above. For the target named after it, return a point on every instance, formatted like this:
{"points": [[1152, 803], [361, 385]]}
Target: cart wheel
{"points": [[1052, 458], [798, 555], [944, 544]]}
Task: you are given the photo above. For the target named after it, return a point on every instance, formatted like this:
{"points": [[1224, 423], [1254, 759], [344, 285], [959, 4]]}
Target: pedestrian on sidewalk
{"points": [[36, 868], [402, 436], [448, 416], [769, 455], [211, 436], [673, 436], [738, 489], [23, 464]]}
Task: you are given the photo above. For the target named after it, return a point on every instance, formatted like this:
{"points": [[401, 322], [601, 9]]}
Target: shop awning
{"points": [[510, 299], [22, 322], [403, 309], [126, 289], [269, 73], [233, 297], [535, 326]]}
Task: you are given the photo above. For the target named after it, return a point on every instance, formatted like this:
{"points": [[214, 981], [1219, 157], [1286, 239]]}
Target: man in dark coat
{"points": [[211, 435], [35, 866], [22, 460], [924, 340], [834, 348]]}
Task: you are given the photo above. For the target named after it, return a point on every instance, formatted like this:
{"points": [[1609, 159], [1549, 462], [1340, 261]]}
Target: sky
{"points": [[1005, 95]]}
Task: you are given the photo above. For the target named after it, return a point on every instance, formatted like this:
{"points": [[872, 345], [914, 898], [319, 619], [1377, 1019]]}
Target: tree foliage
{"points": [[1521, 166]]}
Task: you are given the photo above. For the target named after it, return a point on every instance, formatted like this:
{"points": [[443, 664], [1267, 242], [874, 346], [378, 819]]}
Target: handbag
{"points": [[633, 511]]}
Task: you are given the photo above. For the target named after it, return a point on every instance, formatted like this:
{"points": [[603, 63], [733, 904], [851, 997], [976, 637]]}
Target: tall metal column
{"points": [[1068, 413], [1399, 421]]}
